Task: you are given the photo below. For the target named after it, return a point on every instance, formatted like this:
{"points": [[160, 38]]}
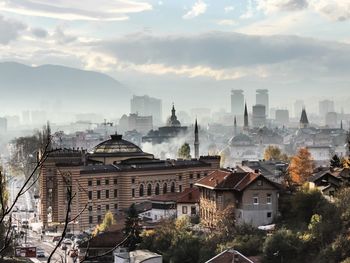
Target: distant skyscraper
{"points": [[325, 106], [237, 102], [282, 117], [147, 106], [262, 98], [259, 115], [331, 119], [298, 107], [3, 125]]}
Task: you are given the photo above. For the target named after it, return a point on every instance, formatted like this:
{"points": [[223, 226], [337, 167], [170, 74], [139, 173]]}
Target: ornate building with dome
{"points": [[172, 129], [115, 174]]}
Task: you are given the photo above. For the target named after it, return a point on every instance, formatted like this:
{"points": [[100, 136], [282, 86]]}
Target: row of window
{"points": [[268, 199], [98, 194], [106, 181], [99, 207], [156, 189]]}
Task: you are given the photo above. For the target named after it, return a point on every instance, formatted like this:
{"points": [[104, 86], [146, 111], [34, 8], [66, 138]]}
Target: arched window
{"points": [[172, 188], [141, 190], [165, 188], [149, 189], [157, 189]]}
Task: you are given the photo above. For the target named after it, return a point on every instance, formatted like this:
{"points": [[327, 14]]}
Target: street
{"points": [[25, 220]]}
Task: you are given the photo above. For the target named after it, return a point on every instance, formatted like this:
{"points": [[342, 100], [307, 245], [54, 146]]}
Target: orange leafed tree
{"points": [[301, 166]]}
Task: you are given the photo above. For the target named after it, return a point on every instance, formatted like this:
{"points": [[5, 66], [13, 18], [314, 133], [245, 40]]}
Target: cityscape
{"points": [[174, 131]]}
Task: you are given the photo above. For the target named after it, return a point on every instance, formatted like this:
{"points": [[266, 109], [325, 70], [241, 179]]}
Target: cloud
{"points": [[197, 9], [94, 10], [249, 12], [229, 8], [227, 22], [223, 55], [10, 30], [334, 10], [63, 38], [272, 6], [39, 32]]}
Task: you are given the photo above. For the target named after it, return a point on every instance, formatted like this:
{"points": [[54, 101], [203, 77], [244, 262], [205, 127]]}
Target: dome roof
{"points": [[241, 139], [116, 145]]}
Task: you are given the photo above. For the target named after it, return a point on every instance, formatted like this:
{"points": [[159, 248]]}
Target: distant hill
{"points": [[71, 89]]}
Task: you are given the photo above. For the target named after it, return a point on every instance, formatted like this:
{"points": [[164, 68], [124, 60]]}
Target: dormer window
{"points": [[259, 183]]}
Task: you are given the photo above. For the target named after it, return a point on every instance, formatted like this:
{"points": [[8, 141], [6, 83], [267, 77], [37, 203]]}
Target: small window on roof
{"points": [[259, 183]]}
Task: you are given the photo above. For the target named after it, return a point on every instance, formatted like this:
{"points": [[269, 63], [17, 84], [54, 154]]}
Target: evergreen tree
{"points": [[132, 228], [184, 151]]}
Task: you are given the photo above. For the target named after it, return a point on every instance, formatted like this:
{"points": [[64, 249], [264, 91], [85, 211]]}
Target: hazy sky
{"points": [[296, 48]]}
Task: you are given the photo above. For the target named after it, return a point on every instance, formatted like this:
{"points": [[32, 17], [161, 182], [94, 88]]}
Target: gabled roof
{"points": [[318, 176], [189, 196], [230, 180]]}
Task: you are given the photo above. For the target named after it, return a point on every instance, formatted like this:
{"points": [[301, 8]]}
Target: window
{"points": [[184, 210], [180, 177], [193, 210], [132, 180], [116, 206], [107, 193], [259, 183], [141, 190], [91, 220], [90, 195], [149, 189], [90, 208], [133, 192], [98, 194], [269, 214], [90, 183], [191, 176], [191, 185], [180, 188], [107, 207], [172, 188], [157, 189], [115, 193], [98, 182], [99, 219], [106, 182], [115, 181], [255, 200], [99, 208], [165, 188], [198, 175], [268, 199]]}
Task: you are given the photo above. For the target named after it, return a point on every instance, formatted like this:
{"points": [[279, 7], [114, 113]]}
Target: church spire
{"points": [[304, 122], [246, 124], [196, 141]]}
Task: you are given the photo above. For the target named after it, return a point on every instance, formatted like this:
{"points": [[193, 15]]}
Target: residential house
{"points": [[326, 182], [253, 197], [230, 256]]}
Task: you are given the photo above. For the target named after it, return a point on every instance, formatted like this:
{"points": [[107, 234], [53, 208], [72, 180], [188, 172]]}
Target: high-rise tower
{"points": [[262, 98], [237, 102], [196, 141]]}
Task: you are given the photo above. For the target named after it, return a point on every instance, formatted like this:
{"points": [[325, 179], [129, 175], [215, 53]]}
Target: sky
{"points": [[191, 52]]}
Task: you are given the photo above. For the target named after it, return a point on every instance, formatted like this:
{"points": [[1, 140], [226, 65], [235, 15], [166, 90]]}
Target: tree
{"points": [[301, 167], [345, 162], [132, 228], [281, 246], [336, 162], [274, 153], [107, 222], [184, 151]]}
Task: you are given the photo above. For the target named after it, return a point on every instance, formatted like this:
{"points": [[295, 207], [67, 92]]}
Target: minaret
{"points": [[235, 126], [246, 124], [341, 124], [196, 141], [304, 122]]}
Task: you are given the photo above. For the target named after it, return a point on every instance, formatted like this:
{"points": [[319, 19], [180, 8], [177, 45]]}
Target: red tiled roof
{"points": [[229, 180], [189, 195], [169, 197]]}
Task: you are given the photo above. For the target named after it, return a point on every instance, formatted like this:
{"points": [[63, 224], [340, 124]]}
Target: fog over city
{"points": [[174, 131]]}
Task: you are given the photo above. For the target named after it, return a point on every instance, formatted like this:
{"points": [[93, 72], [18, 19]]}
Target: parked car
{"points": [[40, 253], [63, 247], [67, 241], [56, 239]]}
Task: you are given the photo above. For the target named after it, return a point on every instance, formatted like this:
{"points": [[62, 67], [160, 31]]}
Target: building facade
{"points": [[114, 175]]}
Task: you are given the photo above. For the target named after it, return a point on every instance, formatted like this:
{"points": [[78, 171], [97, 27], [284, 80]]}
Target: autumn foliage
{"points": [[301, 167]]}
